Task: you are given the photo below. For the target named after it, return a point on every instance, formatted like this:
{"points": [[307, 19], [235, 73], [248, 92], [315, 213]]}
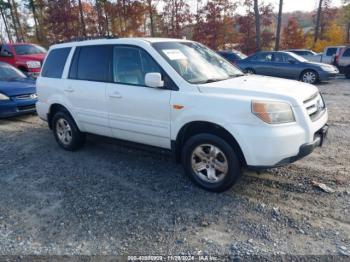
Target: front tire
{"points": [[309, 76], [66, 132], [210, 162]]}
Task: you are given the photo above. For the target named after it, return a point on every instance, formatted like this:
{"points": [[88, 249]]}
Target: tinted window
{"points": [[346, 53], [331, 51], [92, 63], [279, 58], [54, 63], [132, 64]]}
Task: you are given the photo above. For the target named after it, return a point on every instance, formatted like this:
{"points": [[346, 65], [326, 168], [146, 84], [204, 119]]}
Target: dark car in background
{"points": [[17, 92], [232, 55], [287, 65]]}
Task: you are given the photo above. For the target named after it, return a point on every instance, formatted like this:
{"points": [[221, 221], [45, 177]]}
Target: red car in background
{"points": [[24, 56]]}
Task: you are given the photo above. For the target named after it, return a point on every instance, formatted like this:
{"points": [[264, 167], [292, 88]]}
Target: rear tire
{"points": [[66, 132], [211, 162]]}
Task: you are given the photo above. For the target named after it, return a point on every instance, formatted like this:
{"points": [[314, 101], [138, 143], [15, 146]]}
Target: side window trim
{"points": [[172, 86]]}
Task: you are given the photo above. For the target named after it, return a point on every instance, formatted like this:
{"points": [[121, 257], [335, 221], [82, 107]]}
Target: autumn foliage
{"points": [[293, 35], [216, 23]]}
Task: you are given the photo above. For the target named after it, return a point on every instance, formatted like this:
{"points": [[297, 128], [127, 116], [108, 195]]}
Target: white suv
{"points": [[182, 96]]}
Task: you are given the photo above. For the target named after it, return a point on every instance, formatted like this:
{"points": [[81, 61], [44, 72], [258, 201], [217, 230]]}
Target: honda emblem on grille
{"points": [[33, 96]]}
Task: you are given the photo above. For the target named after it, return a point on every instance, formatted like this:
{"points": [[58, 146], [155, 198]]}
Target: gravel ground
{"points": [[112, 198]]}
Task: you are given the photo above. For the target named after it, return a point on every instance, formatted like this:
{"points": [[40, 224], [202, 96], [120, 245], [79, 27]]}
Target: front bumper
{"points": [[15, 108], [325, 76], [304, 150]]}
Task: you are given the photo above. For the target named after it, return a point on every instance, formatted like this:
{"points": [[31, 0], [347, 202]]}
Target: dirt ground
{"points": [[111, 198]]}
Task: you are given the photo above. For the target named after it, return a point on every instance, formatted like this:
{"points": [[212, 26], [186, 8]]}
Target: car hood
{"points": [[258, 87], [33, 57], [17, 87]]}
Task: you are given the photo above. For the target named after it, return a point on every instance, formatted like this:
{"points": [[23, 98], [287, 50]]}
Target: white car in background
{"points": [[179, 95]]}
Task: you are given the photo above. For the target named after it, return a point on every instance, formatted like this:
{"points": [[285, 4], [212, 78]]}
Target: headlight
{"points": [[4, 97], [273, 112], [328, 68], [33, 64]]}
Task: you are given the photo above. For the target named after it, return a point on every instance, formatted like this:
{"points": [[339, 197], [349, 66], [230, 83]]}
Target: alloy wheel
{"points": [[64, 131], [209, 163]]}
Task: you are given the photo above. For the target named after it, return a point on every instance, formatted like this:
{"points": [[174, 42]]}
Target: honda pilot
{"points": [[181, 96]]}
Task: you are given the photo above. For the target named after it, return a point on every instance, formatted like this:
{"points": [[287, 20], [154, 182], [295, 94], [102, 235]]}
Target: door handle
{"points": [[115, 95], [69, 90]]}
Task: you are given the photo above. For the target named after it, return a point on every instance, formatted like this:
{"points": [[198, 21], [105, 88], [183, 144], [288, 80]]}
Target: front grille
{"points": [[27, 96], [315, 106], [26, 108]]}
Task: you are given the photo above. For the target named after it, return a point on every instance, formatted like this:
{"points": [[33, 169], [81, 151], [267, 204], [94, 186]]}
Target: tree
{"points": [[82, 21], [279, 24], [3, 7], [293, 35], [257, 24], [176, 16], [215, 24]]}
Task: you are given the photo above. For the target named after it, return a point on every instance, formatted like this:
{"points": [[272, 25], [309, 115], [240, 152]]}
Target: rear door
{"points": [[85, 88], [136, 112], [264, 64]]}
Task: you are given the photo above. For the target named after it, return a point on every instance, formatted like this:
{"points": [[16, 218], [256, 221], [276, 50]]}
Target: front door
{"points": [[136, 112]]}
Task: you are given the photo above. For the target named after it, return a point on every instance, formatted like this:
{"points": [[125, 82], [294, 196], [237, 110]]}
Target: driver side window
{"points": [[131, 65]]}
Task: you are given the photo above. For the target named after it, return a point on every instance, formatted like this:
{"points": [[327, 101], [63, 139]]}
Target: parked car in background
{"points": [[287, 65], [17, 92], [331, 54], [181, 96], [328, 56], [232, 55], [26, 57], [307, 54], [343, 62]]}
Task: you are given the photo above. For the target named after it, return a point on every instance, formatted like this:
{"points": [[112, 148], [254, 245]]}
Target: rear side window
{"points": [[92, 63], [331, 51], [55, 62]]}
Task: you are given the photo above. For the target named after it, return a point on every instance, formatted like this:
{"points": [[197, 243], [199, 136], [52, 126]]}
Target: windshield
{"points": [[297, 57], [196, 63], [240, 54], [8, 73], [29, 49]]}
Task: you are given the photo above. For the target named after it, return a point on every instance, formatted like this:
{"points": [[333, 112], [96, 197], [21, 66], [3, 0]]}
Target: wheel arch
{"points": [[200, 127], [55, 108]]}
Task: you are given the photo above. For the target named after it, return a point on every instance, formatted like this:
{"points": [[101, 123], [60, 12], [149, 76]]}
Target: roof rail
{"points": [[84, 38]]}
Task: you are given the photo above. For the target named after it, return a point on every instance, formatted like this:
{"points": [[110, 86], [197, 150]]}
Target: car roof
{"points": [[129, 40]]}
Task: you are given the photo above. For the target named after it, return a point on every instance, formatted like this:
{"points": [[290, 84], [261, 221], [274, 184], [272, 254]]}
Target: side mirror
{"points": [[291, 61], [154, 80]]}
